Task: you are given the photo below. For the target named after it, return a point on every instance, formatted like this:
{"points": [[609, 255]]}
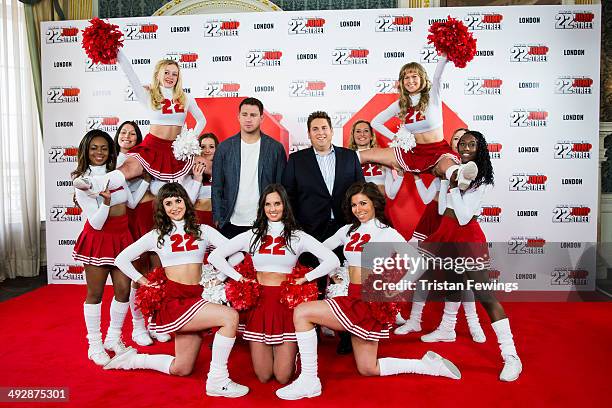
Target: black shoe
{"points": [[344, 346]]}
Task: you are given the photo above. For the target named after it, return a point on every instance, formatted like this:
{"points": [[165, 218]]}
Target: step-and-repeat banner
{"points": [[532, 90]]}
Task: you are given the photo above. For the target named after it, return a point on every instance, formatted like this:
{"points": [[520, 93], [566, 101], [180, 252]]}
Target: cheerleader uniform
{"points": [[423, 156], [352, 312], [382, 176], [140, 218], [431, 217], [205, 193], [191, 186], [271, 322]]}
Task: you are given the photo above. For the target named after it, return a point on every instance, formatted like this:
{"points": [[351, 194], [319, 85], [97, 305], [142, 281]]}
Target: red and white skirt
{"points": [[100, 247], [355, 316], [180, 304], [454, 240], [140, 219], [429, 222], [270, 322], [156, 157], [205, 217], [424, 156]]}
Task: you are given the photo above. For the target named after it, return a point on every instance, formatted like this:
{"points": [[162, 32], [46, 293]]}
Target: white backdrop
{"points": [[533, 90]]}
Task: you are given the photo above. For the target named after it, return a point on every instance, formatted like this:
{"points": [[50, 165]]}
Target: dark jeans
{"points": [[230, 230]]}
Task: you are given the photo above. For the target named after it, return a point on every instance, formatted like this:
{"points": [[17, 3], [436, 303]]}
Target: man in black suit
{"points": [[316, 180]]}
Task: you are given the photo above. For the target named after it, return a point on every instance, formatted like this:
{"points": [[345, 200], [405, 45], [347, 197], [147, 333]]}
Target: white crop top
{"points": [[205, 191], [415, 121], [382, 175], [371, 231], [170, 113], [191, 186], [94, 208], [466, 205], [272, 255], [178, 248]]}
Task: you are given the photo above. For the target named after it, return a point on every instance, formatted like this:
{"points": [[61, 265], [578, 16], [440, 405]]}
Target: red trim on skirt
{"points": [[179, 305], [156, 157], [354, 315], [100, 247], [205, 217], [140, 219], [429, 222], [424, 156], [270, 322]]}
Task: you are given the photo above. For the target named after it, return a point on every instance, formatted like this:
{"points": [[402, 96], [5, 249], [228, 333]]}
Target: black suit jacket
{"points": [[311, 202]]}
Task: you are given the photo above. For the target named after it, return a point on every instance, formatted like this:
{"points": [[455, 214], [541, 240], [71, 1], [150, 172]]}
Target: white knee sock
{"points": [[157, 362], [393, 366], [118, 310], [470, 313], [115, 179], [451, 170], [137, 318], [221, 349], [504, 337], [93, 314], [449, 318], [307, 345]]}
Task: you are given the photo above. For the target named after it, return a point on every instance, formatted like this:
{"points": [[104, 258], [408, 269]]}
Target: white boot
{"points": [[95, 352], [446, 330], [140, 335], [218, 383], [430, 364], [473, 322], [512, 363], [308, 384], [413, 324], [113, 341], [466, 174]]}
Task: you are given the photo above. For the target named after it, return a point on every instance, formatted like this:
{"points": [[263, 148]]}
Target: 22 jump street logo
{"points": [[186, 60], [221, 28], [306, 25], [63, 213], [67, 272], [528, 182], [222, 89], [528, 118], [138, 31], [574, 20], [526, 245], [350, 56], [339, 119], [108, 124], [569, 277], [386, 86], [574, 85], [91, 67], [571, 213], [429, 55], [61, 94], [529, 53], [490, 214], [258, 58], [57, 35], [483, 86], [307, 88], [483, 21], [573, 150], [495, 150], [393, 24], [63, 154]]}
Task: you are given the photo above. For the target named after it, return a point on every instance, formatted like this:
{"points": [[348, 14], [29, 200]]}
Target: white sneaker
{"points": [[439, 335], [302, 387], [512, 368], [399, 320], [118, 347], [441, 366], [466, 174], [142, 338], [161, 337], [477, 333], [82, 183], [98, 355], [122, 361], [410, 326], [229, 390]]}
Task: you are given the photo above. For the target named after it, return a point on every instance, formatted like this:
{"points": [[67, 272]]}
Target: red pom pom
{"points": [[246, 268], [148, 298], [384, 312], [293, 294], [243, 295], [101, 41], [451, 37]]}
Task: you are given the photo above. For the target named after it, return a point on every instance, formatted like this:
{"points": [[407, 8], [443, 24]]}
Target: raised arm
{"points": [[123, 261], [96, 215], [128, 70], [197, 114], [378, 123], [437, 78], [192, 186], [392, 185]]}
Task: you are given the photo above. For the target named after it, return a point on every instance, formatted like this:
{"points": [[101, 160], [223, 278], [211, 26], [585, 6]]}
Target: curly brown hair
{"points": [[162, 222], [371, 191]]}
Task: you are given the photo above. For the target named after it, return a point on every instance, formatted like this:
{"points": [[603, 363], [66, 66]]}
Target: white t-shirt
{"points": [[245, 210]]}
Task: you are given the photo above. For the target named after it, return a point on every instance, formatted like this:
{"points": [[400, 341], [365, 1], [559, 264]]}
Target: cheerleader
{"points": [[104, 235], [420, 146], [203, 204], [181, 244], [362, 138], [275, 243], [167, 106], [459, 225], [364, 205]]}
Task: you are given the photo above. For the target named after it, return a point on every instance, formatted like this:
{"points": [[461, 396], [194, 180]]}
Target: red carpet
{"points": [[565, 348]]}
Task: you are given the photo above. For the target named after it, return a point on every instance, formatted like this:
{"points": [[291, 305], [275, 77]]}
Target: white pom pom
{"points": [[215, 294], [186, 145], [341, 288], [404, 140]]}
